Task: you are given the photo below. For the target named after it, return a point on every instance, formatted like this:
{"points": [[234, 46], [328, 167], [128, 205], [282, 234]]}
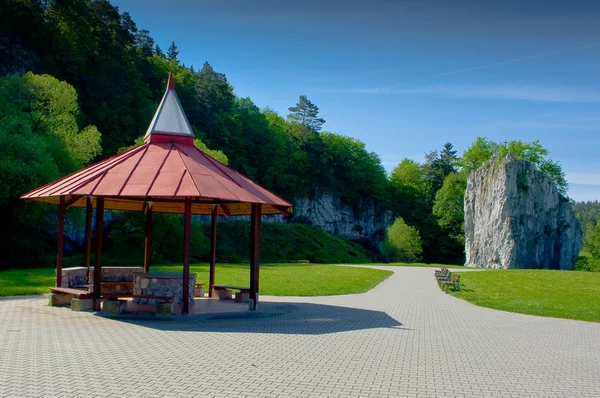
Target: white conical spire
{"points": [[169, 117]]}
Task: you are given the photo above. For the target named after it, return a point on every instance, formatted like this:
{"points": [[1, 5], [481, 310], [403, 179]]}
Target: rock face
{"points": [[516, 218], [334, 216]]}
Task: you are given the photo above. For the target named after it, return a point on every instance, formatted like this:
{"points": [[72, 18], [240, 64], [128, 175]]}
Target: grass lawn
{"points": [[558, 294], [275, 279]]}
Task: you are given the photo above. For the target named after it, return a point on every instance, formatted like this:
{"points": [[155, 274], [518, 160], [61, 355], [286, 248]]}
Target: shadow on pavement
{"points": [[272, 317]]}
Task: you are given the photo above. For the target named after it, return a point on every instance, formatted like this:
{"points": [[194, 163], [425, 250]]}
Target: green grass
{"points": [[275, 279], [26, 282], [558, 294]]}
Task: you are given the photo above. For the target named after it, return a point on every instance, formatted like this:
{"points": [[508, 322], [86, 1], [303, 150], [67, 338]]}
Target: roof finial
{"points": [[171, 82]]}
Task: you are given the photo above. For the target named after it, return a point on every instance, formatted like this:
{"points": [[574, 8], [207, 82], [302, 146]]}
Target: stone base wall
{"points": [[161, 285]]}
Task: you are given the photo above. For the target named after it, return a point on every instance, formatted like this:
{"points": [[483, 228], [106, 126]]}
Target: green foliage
{"points": [[587, 262], [588, 214], [591, 242], [402, 242], [438, 167], [348, 160], [283, 242], [215, 154], [306, 113], [480, 151], [280, 242], [449, 206], [172, 53], [409, 179], [40, 140]]}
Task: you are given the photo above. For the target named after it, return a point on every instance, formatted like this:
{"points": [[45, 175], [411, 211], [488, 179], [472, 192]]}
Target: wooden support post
{"points": [[213, 250], [61, 241], [98, 259], [255, 225], [87, 246], [148, 239], [187, 229]]}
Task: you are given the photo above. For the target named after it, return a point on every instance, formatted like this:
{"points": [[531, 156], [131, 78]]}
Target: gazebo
{"points": [[166, 174]]}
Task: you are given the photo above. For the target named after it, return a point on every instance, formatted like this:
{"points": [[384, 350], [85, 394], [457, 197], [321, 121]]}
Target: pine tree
{"points": [[158, 51], [172, 53], [306, 113]]}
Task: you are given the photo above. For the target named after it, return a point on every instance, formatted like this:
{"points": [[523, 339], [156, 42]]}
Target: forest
{"points": [[79, 82]]}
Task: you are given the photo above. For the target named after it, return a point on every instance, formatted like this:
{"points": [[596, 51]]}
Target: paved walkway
{"points": [[403, 338]]}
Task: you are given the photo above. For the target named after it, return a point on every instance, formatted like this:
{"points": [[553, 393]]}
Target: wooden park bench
{"points": [[224, 292], [76, 293], [453, 280], [441, 273], [66, 295]]}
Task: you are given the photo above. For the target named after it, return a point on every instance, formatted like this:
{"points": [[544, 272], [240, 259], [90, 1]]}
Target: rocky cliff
{"points": [[516, 218], [334, 216]]}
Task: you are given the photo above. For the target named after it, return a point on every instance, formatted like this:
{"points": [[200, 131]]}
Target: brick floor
{"points": [[404, 338]]}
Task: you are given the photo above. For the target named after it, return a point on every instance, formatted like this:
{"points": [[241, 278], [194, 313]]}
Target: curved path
{"points": [[403, 338]]}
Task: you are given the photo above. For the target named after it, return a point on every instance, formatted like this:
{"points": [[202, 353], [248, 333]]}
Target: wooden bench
{"points": [[65, 296], [224, 259], [224, 292], [77, 293], [446, 279]]}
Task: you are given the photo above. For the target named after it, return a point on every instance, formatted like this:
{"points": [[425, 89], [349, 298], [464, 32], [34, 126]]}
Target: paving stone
{"points": [[403, 338]]}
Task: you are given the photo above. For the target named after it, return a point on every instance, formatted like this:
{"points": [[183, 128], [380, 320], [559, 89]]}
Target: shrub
{"points": [[402, 242]]}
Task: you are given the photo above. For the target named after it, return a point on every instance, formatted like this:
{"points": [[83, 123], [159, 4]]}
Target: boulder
{"points": [[516, 218]]}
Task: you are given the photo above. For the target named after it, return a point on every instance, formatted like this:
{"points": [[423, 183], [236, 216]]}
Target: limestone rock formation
{"points": [[334, 216], [516, 218]]}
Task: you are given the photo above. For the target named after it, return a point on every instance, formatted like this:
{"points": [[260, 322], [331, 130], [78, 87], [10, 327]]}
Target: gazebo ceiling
{"points": [[166, 170]]}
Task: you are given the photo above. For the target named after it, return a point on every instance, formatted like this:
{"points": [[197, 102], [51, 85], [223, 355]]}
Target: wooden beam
{"points": [[87, 246], [255, 220], [73, 200], [187, 229], [98, 259], [225, 210], [287, 211], [61, 241], [213, 250], [148, 239]]}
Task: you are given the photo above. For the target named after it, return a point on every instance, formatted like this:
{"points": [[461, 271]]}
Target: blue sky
{"points": [[407, 76]]}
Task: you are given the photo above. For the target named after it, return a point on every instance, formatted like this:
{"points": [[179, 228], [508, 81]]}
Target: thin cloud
{"points": [[492, 92], [583, 178], [510, 61]]}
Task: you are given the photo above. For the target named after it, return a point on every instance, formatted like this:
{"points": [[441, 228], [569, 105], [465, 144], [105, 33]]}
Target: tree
{"points": [[172, 53], [348, 160], [145, 43], [306, 113], [402, 242], [477, 154], [409, 178], [438, 167], [449, 206], [40, 140], [158, 51]]}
